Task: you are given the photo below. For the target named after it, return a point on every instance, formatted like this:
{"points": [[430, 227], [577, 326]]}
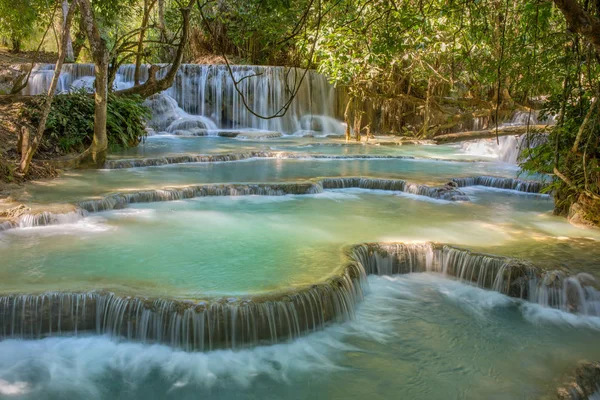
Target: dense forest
{"points": [[412, 68]]}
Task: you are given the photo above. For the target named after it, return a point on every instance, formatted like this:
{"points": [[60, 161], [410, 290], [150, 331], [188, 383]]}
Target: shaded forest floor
{"points": [[10, 125], [7, 58]]}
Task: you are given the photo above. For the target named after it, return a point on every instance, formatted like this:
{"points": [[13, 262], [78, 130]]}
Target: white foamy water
{"points": [[204, 96], [507, 150], [89, 224], [403, 321]]}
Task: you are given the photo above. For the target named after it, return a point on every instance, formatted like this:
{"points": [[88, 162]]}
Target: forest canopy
{"points": [[417, 68]]}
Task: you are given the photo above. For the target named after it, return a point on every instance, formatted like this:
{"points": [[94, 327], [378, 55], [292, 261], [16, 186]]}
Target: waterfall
{"points": [[510, 149], [507, 150], [44, 218], [185, 158], [575, 293], [555, 289], [192, 326], [501, 183], [49, 218], [446, 192], [120, 200], [363, 183], [523, 118], [195, 158], [287, 314], [504, 275], [204, 97]]}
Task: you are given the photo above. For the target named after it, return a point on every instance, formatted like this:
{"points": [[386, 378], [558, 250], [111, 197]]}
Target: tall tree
{"points": [[581, 21], [154, 84], [69, 54], [99, 52], [30, 145]]}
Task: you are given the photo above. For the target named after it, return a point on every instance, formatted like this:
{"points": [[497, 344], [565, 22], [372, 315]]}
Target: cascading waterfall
{"points": [[363, 183], [523, 118], [504, 275], [204, 97], [196, 158], [49, 218], [446, 192], [575, 293], [186, 158], [43, 219], [121, 200], [555, 289], [192, 326], [284, 315], [509, 148], [501, 183]]}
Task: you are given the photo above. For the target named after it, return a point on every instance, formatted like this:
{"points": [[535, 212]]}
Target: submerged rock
{"points": [[240, 134], [191, 132], [259, 135], [583, 384], [14, 212]]}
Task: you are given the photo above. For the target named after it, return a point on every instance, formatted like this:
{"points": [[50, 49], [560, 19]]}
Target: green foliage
{"points": [[17, 20], [7, 170], [259, 31], [581, 167], [70, 124]]}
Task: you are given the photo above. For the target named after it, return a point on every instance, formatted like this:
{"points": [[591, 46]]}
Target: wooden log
{"points": [[490, 133]]}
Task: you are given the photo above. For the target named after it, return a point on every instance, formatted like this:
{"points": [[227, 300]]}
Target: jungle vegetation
{"points": [[410, 67]]}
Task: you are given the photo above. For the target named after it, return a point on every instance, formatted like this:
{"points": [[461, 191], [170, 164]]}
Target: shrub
{"points": [[70, 124]]}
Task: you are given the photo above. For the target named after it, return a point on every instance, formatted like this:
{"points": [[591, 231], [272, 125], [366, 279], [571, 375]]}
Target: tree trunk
{"points": [[153, 85], [347, 118], [79, 42], [16, 44], [69, 54], [148, 5], [30, 146], [490, 133], [100, 140], [99, 50], [358, 116], [581, 21], [426, 118], [166, 51], [584, 125]]}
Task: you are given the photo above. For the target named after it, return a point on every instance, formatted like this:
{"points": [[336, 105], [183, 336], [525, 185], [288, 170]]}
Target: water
{"points": [[280, 241], [208, 91], [469, 344], [253, 295], [76, 185], [164, 144]]}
